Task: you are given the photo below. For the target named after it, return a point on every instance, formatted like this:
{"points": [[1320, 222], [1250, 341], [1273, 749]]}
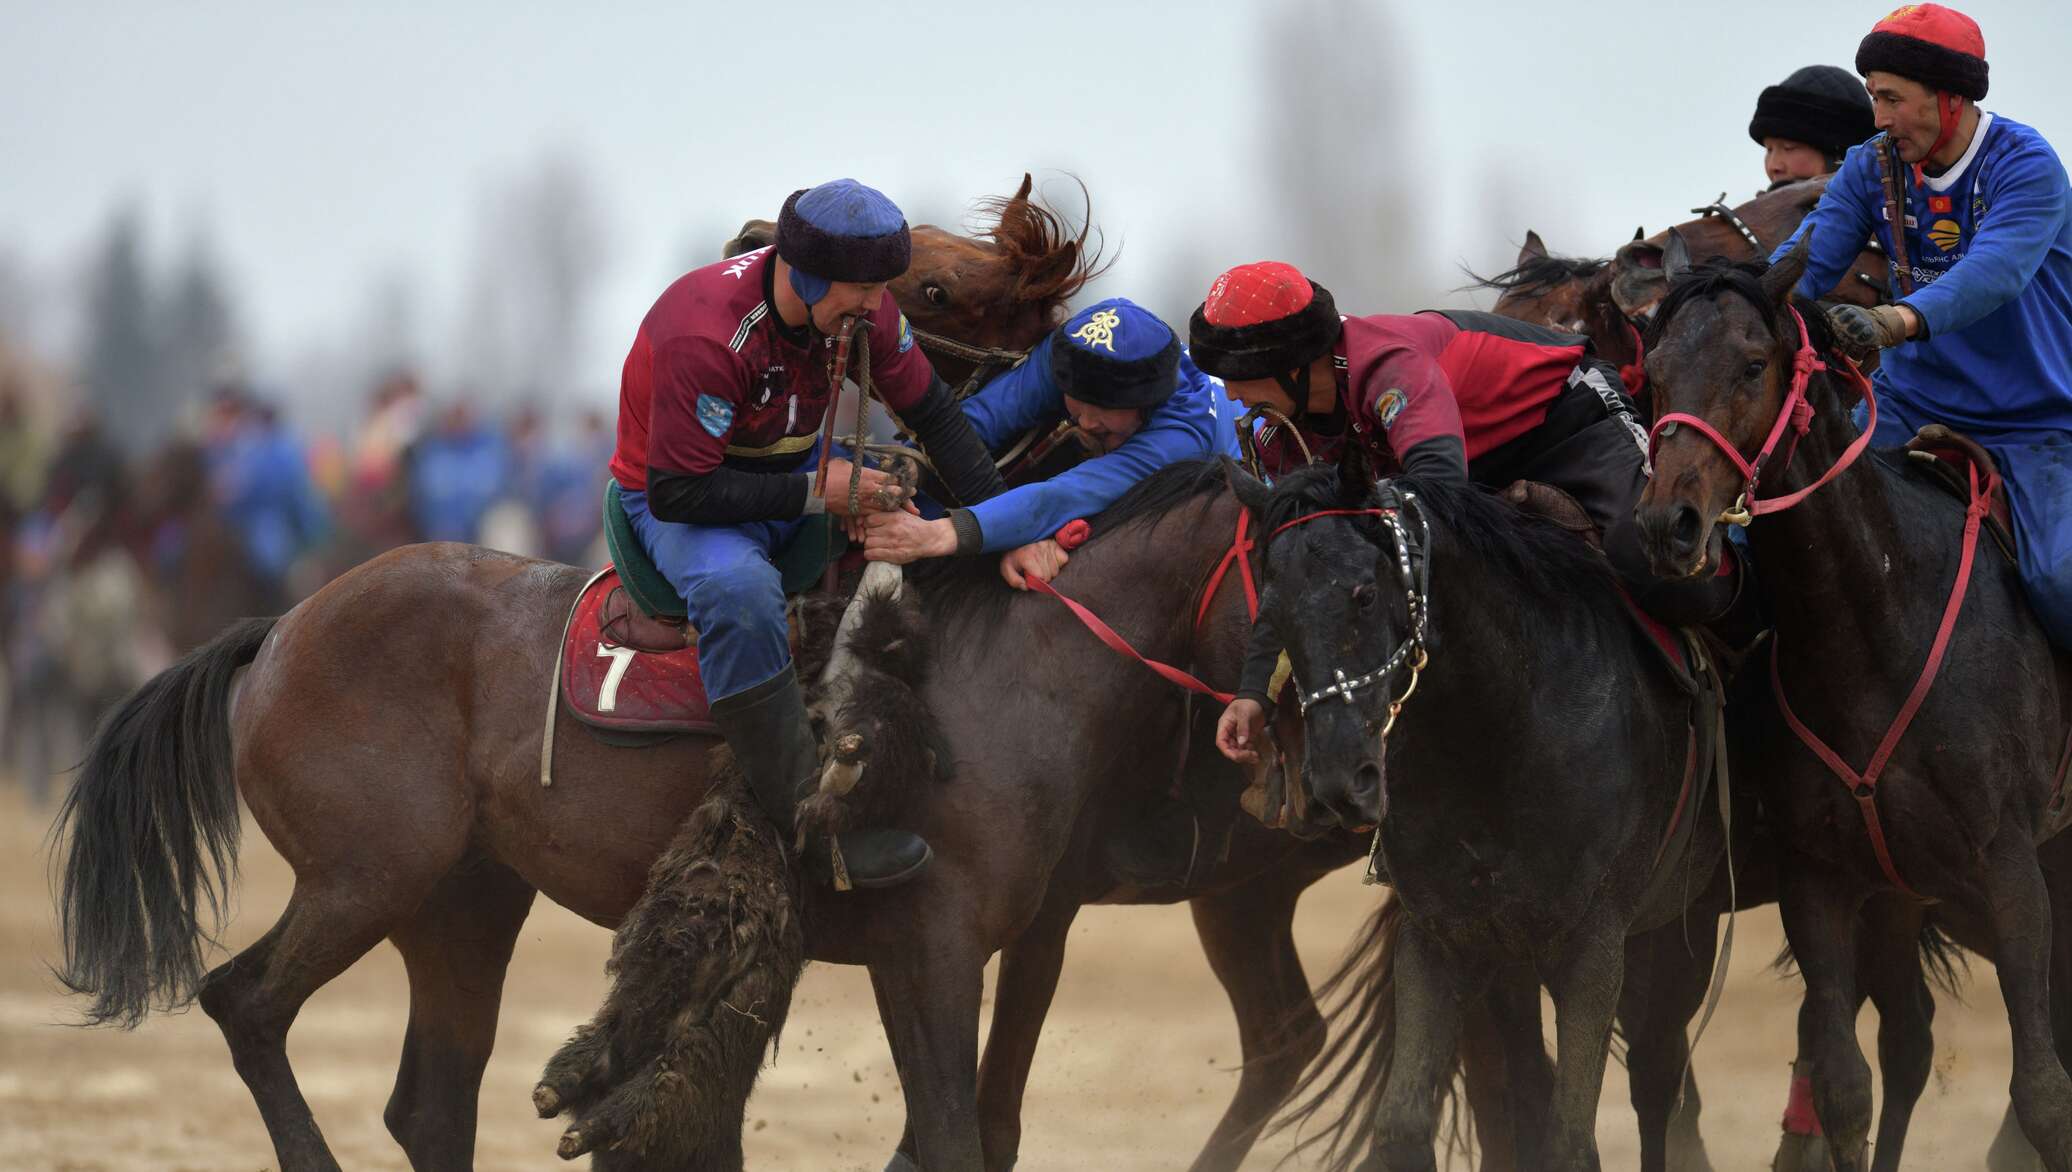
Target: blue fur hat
{"points": [[841, 231], [1115, 353]]}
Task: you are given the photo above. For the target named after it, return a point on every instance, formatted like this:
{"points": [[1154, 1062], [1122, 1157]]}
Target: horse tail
{"points": [[1942, 961], [153, 823], [1340, 1091]]}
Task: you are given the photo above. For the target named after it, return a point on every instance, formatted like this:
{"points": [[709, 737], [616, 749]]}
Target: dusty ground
{"points": [[1134, 1071]]}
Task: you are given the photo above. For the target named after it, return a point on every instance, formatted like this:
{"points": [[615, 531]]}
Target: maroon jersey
{"points": [[1467, 381], [715, 377]]}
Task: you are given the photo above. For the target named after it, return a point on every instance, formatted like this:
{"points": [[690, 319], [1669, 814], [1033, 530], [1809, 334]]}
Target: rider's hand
{"points": [[877, 491], [903, 537], [1865, 330], [1038, 559], [1239, 732]]}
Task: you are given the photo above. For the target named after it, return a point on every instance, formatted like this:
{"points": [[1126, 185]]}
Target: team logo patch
{"points": [[906, 335], [715, 415], [1099, 330], [1945, 234], [1390, 405]]}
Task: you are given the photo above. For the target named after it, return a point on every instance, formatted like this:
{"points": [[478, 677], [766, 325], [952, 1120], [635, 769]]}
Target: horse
{"points": [[1573, 294], [1861, 550], [1751, 230], [1528, 855], [376, 736]]}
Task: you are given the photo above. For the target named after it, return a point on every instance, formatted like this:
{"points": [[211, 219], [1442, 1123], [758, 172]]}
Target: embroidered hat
{"points": [[1262, 320], [1115, 353], [841, 231], [1939, 47]]}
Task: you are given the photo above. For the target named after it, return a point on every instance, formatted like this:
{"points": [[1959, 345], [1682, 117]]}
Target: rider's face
{"points": [[845, 300], [1106, 426], [1905, 109], [1254, 391], [1787, 160]]}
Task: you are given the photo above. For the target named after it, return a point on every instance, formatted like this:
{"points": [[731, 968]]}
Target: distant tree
{"points": [[1337, 124], [120, 362], [539, 252], [197, 331]]}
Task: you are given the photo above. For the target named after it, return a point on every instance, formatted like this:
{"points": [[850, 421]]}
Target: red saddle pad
{"points": [[624, 689]]}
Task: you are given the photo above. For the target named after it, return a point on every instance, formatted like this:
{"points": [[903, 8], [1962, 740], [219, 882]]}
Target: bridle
{"points": [[1794, 414], [986, 361]]}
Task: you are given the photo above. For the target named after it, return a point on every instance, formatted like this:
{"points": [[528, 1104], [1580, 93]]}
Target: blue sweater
{"points": [[1187, 426], [1990, 243]]}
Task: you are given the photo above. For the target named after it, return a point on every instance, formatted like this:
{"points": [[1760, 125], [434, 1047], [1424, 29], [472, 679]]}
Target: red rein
{"points": [[1797, 414]]}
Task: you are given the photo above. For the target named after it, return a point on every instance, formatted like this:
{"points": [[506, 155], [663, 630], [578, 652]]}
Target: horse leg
{"points": [[1586, 998], [1427, 1044], [1502, 1037], [1248, 935], [1819, 907], [2018, 907], [929, 999], [1889, 971], [1029, 970], [455, 949], [331, 921], [1667, 972]]}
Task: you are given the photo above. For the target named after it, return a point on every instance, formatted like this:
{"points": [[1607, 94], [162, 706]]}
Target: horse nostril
{"points": [[1683, 529]]}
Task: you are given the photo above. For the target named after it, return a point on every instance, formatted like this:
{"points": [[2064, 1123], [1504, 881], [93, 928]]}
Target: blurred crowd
{"points": [[113, 563]]}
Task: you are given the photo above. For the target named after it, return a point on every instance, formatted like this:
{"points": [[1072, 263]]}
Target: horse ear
{"points": [[1640, 233], [1676, 255], [1782, 277], [1251, 492], [1044, 279], [753, 235], [1028, 185], [1533, 249], [1356, 475]]}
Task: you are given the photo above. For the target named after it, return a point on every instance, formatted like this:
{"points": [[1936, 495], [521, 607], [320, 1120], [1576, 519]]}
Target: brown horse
{"points": [[1573, 294], [1748, 231]]}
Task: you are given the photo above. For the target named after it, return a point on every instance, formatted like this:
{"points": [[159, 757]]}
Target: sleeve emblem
{"points": [[1390, 405], [715, 415]]}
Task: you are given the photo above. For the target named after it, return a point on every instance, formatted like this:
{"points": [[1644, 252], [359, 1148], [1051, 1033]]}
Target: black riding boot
{"points": [[772, 739]]}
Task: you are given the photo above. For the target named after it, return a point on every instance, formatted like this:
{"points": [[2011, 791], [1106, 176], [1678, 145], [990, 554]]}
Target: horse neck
{"points": [[1615, 339], [1828, 563], [1489, 632]]}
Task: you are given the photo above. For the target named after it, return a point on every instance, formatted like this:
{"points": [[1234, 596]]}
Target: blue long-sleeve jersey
{"points": [[1990, 246], [1192, 424]]}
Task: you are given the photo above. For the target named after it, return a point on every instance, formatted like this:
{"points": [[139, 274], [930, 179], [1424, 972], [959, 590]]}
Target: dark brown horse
{"points": [[1747, 231], [1857, 575], [1573, 294]]}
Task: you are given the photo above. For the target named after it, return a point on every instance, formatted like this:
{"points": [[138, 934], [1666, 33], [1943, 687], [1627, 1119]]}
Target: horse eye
{"points": [[936, 294], [1363, 596], [1754, 370]]}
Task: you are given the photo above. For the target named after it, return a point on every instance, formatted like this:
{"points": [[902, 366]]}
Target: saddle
{"points": [[1945, 454], [629, 658]]}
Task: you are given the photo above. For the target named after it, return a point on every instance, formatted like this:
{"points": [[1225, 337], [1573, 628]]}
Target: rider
{"points": [[719, 403], [1119, 374], [1981, 329], [1450, 394], [1808, 122]]}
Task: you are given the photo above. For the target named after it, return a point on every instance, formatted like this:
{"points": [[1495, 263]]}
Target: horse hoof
{"points": [[572, 1144], [546, 1101], [901, 1162], [1801, 1153]]}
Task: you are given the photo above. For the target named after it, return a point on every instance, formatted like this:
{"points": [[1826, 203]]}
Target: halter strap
{"points": [[1794, 413], [1306, 518], [1719, 208]]}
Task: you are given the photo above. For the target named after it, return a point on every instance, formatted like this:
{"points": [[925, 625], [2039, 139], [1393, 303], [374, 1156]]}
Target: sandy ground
{"points": [[1136, 1064]]}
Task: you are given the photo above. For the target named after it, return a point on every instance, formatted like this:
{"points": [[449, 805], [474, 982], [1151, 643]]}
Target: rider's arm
{"points": [[1035, 511], [1408, 398], [700, 386], [2025, 212], [1262, 656], [1015, 401], [926, 406], [1840, 223]]}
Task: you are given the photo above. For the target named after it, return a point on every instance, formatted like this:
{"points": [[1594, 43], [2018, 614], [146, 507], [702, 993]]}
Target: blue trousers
{"points": [[734, 596], [2037, 466]]}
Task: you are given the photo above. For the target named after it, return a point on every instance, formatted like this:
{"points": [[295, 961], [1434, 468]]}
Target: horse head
{"points": [[1003, 288], [1721, 350], [1640, 278], [1339, 592]]}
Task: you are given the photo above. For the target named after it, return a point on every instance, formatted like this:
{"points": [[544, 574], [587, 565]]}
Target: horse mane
{"points": [[1034, 236], [1744, 279], [1539, 557], [1538, 275]]}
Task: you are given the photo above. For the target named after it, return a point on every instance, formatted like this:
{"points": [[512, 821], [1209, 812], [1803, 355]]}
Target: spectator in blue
{"points": [[259, 480], [456, 472]]}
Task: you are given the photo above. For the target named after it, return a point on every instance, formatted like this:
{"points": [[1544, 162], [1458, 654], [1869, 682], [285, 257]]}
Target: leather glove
{"points": [[1865, 330]]}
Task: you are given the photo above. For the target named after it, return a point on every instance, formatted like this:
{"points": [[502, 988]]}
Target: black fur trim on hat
{"points": [[1831, 126], [817, 252], [1268, 348], [1934, 66], [1114, 382]]}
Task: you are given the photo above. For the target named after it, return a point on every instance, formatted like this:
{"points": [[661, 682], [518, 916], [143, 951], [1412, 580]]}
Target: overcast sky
{"points": [[327, 149]]}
